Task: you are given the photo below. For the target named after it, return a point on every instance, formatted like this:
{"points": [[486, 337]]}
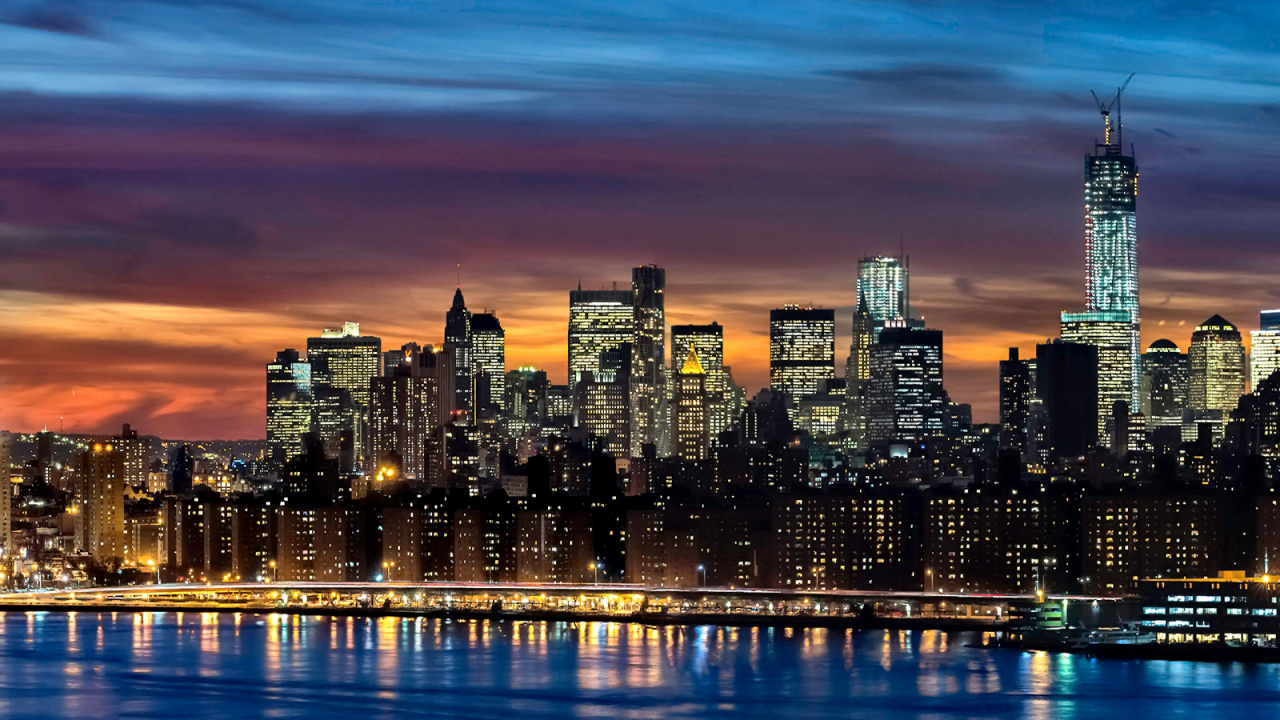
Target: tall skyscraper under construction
{"points": [[1111, 233]]}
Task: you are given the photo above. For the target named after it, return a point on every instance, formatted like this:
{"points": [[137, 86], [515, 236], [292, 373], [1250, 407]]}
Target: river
{"points": [[171, 665]]}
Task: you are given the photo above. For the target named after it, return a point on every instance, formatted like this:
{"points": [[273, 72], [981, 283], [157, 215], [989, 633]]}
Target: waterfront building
{"points": [[1217, 377], [1111, 333], [1264, 348], [650, 418], [838, 542], [1226, 607], [288, 404], [1165, 376], [100, 502], [489, 360], [599, 320], [1127, 537], [801, 350], [997, 542]]}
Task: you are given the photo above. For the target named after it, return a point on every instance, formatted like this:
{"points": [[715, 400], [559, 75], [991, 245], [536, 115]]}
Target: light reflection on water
{"points": [[78, 665]]}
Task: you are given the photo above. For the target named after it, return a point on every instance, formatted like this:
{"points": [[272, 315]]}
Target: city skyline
{"points": [[163, 230]]}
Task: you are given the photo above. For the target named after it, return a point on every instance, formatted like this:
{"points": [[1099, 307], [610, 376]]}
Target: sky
{"points": [[187, 187]]}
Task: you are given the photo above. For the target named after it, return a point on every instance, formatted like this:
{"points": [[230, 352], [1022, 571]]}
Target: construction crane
{"points": [[1105, 109]]}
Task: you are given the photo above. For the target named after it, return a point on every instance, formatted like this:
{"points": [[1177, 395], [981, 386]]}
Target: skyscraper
{"points": [[1111, 243], [1264, 353], [457, 342], [692, 437], [1015, 402], [343, 362], [649, 418], [883, 288], [6, 493], [708, 342], [1111, 332], [489, 361], [100, 502], [599, 320], [883, 296], [1217, 363], [1164, 384], [410, 409], [802, 349], [288, 404], [905, 397], [1066, 384], [602, 402]]}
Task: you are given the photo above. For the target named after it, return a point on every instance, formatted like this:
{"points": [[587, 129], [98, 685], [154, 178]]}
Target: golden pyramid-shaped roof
{"points": [[691, 364]]}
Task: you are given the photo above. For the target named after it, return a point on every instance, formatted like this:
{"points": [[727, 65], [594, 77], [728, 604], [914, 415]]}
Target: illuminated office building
{"points": [[599, 320], [649, 414], [692, 410], [1217, 364], [883, 288], [288, 404], [100, 502], [1264, 352], [489, 362], [343, 362], [457, 342], [409, 412], [708, 342], [1164, 384], [801, 350], [602, 402], [905, 397], [1111, 332], [1111, 249]]}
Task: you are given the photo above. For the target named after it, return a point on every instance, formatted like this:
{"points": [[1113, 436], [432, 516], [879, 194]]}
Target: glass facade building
{"points": [[599, 320], [649, 416], [802, 348], [1164, 384], [488, 362], [1112, 333], [288, 404], [1264, 353], [1111, 247], [905, 395], [1217, 363]]}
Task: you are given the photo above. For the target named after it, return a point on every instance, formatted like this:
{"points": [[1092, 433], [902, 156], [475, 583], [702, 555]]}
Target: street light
{"points": [[272, 565], [928, 573], [387, 565], [702, 574], [595, 568], [152, 564]]}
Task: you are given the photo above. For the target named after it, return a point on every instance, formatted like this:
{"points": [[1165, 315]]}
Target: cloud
{"points": [[63, 18]]}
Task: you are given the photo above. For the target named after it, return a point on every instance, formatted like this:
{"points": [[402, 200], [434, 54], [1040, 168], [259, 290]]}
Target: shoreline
{"points": [[469, 615]]}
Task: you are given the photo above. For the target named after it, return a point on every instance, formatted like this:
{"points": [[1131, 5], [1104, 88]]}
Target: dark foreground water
{"points": [[174, 665]]}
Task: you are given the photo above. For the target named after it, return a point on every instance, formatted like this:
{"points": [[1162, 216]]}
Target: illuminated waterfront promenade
{"points": [[572, 602]]}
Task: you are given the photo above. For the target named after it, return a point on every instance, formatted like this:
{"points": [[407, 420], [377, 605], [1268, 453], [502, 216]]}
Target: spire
{"points": [[691, 364], [458, 302]]}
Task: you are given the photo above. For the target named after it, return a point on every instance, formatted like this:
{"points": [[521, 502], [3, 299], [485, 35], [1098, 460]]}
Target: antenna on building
{"points": [[459, 274]]}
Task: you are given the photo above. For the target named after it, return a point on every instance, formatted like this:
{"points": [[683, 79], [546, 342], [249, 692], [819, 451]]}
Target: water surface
{"points": [[170, 665]]}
